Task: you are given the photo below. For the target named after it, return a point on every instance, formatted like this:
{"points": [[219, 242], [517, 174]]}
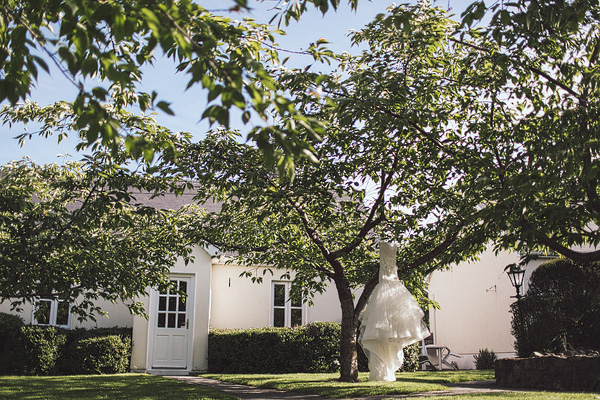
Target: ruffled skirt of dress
{"points": [[391, 321]]}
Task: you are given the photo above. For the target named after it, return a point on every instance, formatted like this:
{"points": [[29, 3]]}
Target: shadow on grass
{"points": [[102, 387], [327, 384]]}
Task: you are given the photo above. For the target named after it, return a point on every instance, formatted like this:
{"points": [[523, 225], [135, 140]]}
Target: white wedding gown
{"points": [[392, 320]]}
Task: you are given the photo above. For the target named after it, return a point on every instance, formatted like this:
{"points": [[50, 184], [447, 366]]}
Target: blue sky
{"points": [[188, 105]]}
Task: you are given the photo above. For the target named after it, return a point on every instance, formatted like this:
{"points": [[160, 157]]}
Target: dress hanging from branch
{"points": [[392, 320]]}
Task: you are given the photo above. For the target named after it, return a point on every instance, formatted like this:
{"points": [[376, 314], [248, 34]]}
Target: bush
{"points": [[561, 310], [485, 359], [10, 326], [310, 348], [100, 355], [36, 350], [265, 350], [47, 350]]}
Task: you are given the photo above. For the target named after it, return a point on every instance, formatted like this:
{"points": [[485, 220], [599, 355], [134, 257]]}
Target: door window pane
{"points": [[172, 303], [162, 320], [171, 320]]}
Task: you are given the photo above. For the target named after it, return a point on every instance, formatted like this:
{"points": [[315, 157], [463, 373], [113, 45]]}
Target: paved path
{"points": [[255, 393]]}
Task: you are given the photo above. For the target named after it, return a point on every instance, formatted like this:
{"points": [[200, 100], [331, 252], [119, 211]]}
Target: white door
{"points": [[171, 320]]}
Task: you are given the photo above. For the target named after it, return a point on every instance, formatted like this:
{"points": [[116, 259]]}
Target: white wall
{"points": [[239, 303], [116, 315], [474, 301]]}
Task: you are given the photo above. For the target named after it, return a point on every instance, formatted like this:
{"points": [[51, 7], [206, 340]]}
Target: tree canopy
{"points": [[533, 137], [386, 171], [102, 48], [77, 233]]}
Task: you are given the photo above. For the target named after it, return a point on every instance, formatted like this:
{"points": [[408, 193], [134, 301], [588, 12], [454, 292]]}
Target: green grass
{"points": [[146, 387], [328, 386], [521, 396], [96, 387], [409, 382]]}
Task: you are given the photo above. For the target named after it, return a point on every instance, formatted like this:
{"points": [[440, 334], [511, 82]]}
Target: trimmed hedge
{"points": [[9, 326], [47, 350], [561, 310], [309, 348], [35, 350], [101, 355]]}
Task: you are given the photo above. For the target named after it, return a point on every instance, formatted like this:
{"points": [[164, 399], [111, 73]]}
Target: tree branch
{"points": [[535, 70], [578, 256]]}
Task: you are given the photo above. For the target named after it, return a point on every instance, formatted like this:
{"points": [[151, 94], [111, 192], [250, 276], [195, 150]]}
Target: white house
{"points": [[474, 298]]}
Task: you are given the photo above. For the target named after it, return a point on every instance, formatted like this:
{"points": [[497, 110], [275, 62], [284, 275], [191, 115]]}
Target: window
{"points": [[286, 312], [52, 312], [172, 306]]}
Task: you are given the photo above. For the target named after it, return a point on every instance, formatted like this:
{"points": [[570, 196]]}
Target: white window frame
{"points": [[53, 313], [287, 307]]}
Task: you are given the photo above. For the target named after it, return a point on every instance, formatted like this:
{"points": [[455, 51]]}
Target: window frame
{"points": [[53, 314], [288, 307]]}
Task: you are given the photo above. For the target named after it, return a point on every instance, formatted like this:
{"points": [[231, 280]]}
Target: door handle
{"points": [[187, 323]]}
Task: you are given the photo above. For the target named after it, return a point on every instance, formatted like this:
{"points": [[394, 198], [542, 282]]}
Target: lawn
{"points": [[96, 387], [408, 382], [146, 387], [328, 386]]}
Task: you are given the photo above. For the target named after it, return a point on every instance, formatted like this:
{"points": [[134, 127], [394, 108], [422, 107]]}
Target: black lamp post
{"points": [[516, 275]]}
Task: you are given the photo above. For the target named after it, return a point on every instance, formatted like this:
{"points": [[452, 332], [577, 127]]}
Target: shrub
{"points": [[485, 359], [43, 350], [35, 350], [10, 326], [310, 348], [100, 355], [561, 310]]}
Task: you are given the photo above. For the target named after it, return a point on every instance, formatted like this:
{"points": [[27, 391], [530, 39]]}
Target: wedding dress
{"points": [[392, 320]]}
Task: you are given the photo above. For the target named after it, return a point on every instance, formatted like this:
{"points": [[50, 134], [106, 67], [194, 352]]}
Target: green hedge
{"points": [[100, 355], [561, 310], [309, 348], [47, 350]]}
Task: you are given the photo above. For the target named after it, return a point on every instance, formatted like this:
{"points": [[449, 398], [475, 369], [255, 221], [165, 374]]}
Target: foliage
{"points": [[10, 326], [101, 387], [102, 48], [101, 355], [533, 138], [310, 348], [36, 350], [485, 359], [47, 350], [561, 310], [77, 233], [381, 173], [9, 323]]}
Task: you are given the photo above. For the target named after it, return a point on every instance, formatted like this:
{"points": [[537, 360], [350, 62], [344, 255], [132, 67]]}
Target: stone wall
{"points": [[551, 372]]}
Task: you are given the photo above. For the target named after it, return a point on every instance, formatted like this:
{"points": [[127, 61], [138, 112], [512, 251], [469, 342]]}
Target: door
{"points": [[171, 321]]}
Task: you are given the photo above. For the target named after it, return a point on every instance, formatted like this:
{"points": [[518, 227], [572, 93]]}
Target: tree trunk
{"points": [[348, 353]]}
